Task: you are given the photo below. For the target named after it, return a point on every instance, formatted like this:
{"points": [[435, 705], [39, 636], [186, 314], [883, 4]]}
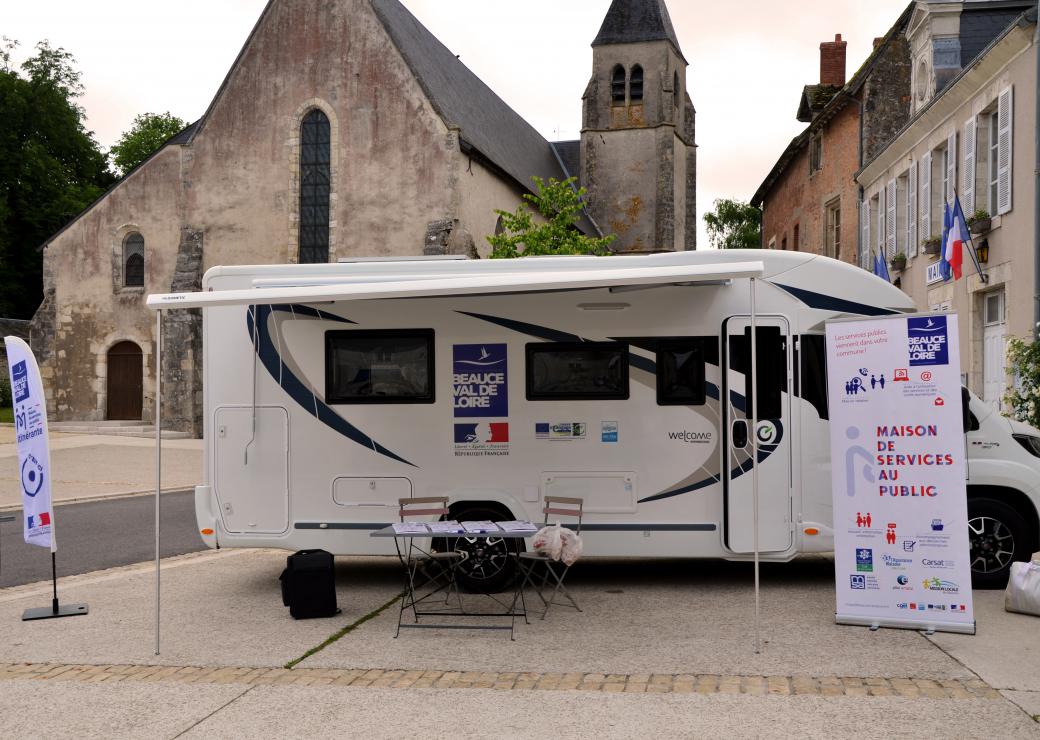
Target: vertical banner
{"points": [[480, 391], [34, 458], [898, 473]]}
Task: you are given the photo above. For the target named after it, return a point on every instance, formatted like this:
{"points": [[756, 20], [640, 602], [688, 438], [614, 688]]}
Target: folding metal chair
{"points": [[556, 506], [436, 569]]}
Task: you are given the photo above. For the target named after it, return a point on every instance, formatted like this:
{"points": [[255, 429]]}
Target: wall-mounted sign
{"points": [[933, 274]]}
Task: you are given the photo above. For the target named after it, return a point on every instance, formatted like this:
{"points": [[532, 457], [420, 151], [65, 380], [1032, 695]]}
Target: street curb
{"points": [[101, 497]]}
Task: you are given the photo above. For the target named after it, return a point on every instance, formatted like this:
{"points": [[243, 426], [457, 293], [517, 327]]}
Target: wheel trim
{"points": [[992, 544], [485, 558]]}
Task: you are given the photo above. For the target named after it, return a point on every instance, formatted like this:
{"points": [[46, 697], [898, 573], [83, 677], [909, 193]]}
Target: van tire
{"points": [[998, 535], [489, 567]]}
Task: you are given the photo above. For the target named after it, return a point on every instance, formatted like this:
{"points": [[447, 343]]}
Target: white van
{"points": [[332, 391]]}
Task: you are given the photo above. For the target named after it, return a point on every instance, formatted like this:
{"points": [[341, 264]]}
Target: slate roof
{"points": [[461, 99], [983, 22], [814, 99], [634, 21], [570, 155]]}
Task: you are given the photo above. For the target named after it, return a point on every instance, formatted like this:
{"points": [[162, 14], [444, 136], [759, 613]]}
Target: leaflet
{"points": [[450, 527], [410, 528], [480, 527], [518, 526]]}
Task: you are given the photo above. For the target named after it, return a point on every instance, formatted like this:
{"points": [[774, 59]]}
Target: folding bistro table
{"points": [[405, 543]]}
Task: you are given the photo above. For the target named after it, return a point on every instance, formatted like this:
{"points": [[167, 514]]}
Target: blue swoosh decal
{"points": [[297, 389], [831, 303]]}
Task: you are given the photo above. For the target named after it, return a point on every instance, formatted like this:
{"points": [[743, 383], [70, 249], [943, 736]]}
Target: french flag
{"points": [[956, 234]]}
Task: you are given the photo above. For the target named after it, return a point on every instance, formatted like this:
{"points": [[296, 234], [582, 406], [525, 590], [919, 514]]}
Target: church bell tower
{"points": [[638, 150]]}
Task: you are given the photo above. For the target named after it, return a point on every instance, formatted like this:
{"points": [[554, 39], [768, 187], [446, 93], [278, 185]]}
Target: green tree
{"points": [[734, 225], [51, 167], [1024, 363], [148, 132], [560, 204]]}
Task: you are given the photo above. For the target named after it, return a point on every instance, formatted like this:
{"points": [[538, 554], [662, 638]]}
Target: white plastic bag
{"points": [[548, 540], [571, 547], [1023, 589]]}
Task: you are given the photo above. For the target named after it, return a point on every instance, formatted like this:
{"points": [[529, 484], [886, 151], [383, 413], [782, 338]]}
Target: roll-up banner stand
{"points": [[898, 473]]}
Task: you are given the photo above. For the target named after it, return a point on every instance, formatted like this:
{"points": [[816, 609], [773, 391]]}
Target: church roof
{"points": [[486, 123], [635, 21]]}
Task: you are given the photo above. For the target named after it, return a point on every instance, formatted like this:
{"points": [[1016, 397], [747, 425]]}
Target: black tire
{"points": [[998, 536], [489, 567]]}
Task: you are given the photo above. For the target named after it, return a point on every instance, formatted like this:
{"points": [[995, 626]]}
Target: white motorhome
{"points": [[332, 391]]}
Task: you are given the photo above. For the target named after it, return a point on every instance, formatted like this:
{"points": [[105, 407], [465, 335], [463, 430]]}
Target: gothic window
{"points": [[133, 260], [617, 85], [676, 92], [636, 86], [315, 184]]}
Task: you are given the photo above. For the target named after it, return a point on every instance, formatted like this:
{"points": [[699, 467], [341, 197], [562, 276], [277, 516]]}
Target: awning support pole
{"points": [[754, 451], [158, 459]]}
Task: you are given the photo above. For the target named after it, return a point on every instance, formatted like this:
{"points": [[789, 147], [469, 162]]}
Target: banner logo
{"points": [[928, 341], [32, 476], [479, 386], [20, 382]]}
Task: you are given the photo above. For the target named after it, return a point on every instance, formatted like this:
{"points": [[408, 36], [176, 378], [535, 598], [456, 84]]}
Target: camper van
{"points": [[332, 391]]}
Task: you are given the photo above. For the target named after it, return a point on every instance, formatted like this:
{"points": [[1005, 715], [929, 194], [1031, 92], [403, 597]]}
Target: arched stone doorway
{"points": [[125, 381]]}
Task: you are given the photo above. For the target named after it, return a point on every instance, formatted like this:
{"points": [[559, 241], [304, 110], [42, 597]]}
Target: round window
{"points": [[922, 80]]}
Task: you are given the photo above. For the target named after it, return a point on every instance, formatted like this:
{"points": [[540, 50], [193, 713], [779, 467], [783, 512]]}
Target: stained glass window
{"points": [[315, 184]]}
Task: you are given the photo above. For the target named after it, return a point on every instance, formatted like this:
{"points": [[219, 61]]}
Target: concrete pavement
{"points": [[95, 466], [661, 648]]}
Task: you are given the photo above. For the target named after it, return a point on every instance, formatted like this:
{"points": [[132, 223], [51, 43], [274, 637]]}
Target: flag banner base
{"points": [[930, 625], [50, 612]]}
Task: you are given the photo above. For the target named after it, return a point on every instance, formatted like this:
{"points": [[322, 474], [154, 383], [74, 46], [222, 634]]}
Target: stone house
{"points": [[971, 135], [345, 129], [810, 198]]}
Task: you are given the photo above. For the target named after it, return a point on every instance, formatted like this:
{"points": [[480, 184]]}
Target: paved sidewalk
{"points": [[661, 651], [99, 466]]}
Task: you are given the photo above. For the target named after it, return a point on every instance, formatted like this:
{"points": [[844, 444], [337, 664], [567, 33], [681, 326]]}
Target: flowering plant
{"points": [[1024, 398]]}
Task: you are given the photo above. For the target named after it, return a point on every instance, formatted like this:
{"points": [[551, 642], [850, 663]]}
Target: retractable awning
{"points": [[347, 289]]}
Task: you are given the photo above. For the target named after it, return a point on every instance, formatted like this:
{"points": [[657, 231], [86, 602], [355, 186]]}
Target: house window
{"points": [[945, 176], [795, 243], [133, 260], [783, 243], [315, 185], [833, 235], [992, 169], [815, 154], [617, 85], [577, 371], [387, 366], [636, 85], [680, 371], [901, 212]]}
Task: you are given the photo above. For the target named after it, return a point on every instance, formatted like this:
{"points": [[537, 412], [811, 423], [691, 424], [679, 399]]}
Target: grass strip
{"points": [[345, 631]]}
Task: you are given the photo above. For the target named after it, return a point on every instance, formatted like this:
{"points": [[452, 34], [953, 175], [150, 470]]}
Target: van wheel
{"points": [[489, 566], [998, 536]]}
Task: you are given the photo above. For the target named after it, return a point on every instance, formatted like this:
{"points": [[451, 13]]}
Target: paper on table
{"points": [[410, 528], [450, 527], [478, 527], [518, 526]]}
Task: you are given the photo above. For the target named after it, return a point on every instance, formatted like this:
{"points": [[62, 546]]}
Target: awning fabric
{"points": [[344, 288]]}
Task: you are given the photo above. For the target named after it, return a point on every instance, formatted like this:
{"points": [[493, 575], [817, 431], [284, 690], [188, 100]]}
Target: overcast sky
{"points": [[748, 62]]}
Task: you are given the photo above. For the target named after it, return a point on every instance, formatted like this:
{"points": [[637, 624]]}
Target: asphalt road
{"points": [[100, 534]]}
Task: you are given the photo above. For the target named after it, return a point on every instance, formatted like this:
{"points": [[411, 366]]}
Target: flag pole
{"points": [[971, 242], [158, 459]]}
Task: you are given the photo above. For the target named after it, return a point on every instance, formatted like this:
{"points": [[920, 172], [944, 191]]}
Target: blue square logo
{"points": [[20, 385], [928, 341]]}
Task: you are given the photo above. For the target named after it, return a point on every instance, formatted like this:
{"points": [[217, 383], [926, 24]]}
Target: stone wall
{"points": [[886, 97]]}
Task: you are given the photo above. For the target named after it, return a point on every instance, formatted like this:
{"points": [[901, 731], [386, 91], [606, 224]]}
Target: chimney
{"points": [[832, 62]]}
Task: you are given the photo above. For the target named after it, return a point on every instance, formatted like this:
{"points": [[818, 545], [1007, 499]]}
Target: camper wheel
{"points": [[999, 535], [488, 567]]}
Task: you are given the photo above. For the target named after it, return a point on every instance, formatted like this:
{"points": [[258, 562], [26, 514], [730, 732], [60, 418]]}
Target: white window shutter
{"points": [[864, 224], [968, 170], [951, 168], [881, 212], [911, 212], [1005, 114], [925, 205], [890, 220]]}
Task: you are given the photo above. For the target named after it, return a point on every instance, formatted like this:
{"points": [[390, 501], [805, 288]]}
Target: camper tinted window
{"points": [[379, 366], [680, 372], [771, 371], [577, 371], [813, 384]]}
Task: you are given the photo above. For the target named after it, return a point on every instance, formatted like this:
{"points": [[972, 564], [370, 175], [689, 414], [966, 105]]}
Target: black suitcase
{"points": [[309, 585]]}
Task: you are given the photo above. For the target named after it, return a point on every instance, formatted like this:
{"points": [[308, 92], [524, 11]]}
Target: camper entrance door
{"points": [[773, 432]]}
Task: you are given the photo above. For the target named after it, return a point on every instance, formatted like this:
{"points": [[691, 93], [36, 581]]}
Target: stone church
{"points": [[345, 129]]}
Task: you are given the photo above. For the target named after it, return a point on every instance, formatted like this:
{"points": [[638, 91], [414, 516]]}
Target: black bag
{"points": [[309, 585]]}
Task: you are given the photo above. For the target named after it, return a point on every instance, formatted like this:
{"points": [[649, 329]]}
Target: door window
{"points": [[771, 369]]}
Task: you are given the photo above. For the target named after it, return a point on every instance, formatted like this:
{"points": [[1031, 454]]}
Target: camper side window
{"points": [[577, 371], [680, 372], [379, 366]]}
